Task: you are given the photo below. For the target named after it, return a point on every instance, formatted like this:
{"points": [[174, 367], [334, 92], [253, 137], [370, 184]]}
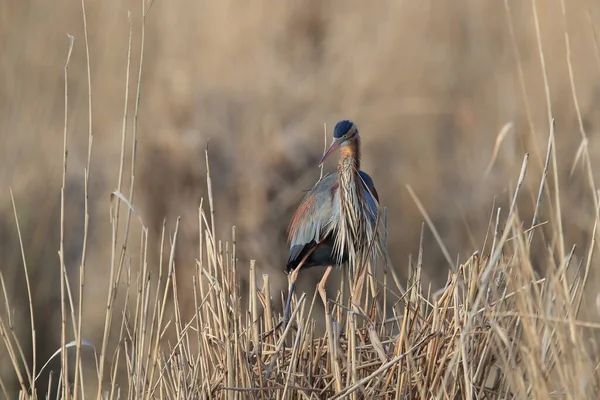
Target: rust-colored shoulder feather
{"points": [[305, 207], [316, 215]]}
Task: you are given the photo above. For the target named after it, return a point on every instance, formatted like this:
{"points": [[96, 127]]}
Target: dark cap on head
{"points": [[342, 128]]}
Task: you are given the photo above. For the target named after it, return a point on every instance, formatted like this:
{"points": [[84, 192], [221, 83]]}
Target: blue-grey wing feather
{"points": [[316, 216], [371, 196]]}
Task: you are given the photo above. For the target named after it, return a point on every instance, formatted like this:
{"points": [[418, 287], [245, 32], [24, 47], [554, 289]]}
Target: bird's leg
{"points": [[287, 311], [321, 287], [333, 353]]}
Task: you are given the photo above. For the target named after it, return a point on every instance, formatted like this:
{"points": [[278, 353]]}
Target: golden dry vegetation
{"points": [[450, 97]]}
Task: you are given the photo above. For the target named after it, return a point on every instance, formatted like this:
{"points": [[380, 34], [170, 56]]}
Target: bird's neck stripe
{"points": [[350, 155]]}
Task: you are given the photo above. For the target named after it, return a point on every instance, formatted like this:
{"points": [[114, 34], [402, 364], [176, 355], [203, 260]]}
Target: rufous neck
{"points": [[351, 155]]}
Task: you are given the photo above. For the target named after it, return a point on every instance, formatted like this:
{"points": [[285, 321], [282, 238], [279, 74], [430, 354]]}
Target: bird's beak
{"points": [[334, 146]]}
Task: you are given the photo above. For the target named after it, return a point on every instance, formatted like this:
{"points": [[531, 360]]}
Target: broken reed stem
{"points": [[253, 305]]}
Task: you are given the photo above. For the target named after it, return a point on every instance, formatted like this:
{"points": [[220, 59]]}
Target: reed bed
{"points": [[497, 330]]}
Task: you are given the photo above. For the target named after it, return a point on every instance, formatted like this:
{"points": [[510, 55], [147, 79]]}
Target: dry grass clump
{"points": [[496, 330]]}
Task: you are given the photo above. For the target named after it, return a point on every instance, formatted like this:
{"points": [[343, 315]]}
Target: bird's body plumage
{"points": [[316, 222], [338, 216]]}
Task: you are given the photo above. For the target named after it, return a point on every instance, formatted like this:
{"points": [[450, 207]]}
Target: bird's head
{"points": [[345, 133]]}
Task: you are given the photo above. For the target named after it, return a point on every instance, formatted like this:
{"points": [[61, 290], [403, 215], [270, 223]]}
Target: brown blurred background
{"points": [[430, 85]]}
